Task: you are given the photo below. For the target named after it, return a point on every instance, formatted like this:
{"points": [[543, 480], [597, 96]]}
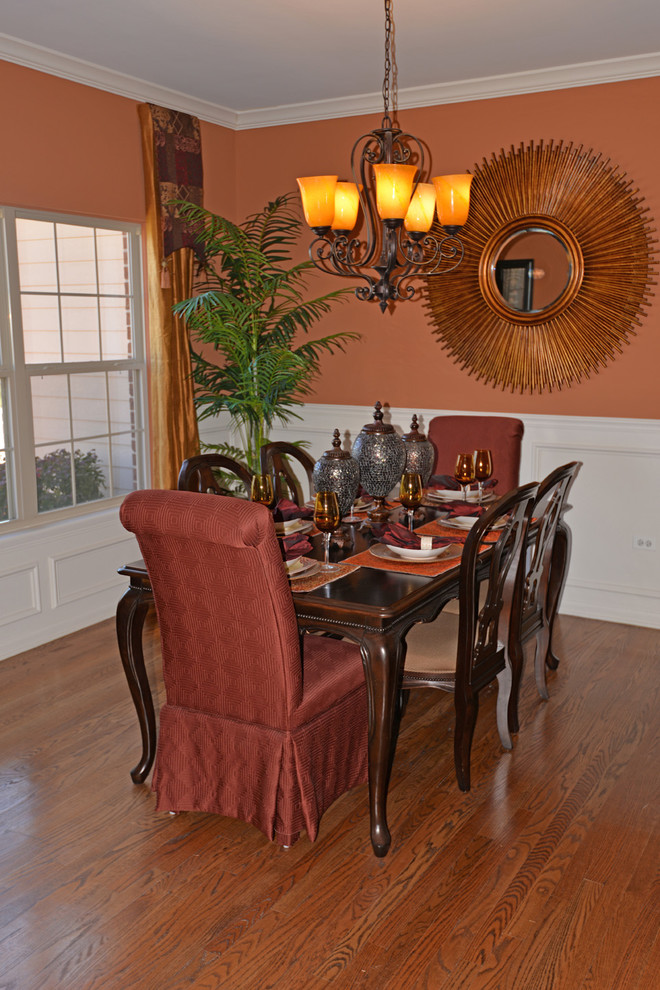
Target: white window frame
{"points": [[22, 493]]}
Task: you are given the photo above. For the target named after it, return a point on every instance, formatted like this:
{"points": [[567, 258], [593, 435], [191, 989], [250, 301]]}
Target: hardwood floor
{"points": [[543, 877]]}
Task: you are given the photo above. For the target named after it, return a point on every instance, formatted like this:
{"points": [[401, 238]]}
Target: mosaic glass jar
{"points": [[381, 455], [336, 471], [420, 452]]}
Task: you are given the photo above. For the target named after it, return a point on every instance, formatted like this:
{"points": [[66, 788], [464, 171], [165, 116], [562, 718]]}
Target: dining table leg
{"points": [[382, 658], [131, 614]]}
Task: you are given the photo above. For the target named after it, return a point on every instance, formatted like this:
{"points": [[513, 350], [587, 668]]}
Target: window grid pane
{"points": [[7, 509], [77, 305]]}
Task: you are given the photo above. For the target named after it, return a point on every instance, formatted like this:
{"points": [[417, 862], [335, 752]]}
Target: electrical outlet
{"points": [[643, 543]]}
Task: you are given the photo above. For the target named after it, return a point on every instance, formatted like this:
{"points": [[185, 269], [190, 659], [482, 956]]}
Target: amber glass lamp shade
{"points": [[347, 204], [394, 185], [318, 199], [452, 193], [422, 209]]}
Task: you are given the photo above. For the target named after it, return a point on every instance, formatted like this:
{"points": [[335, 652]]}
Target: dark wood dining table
{"points": [[375, 608]]}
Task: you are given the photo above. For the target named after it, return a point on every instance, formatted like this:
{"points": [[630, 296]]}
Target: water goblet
{"points": [[411, 493], [464, 472], [261, 489], [326, 518], [483, 469], [351, 517]]}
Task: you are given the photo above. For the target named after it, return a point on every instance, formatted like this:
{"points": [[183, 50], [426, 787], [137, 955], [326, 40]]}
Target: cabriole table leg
{"points": [[131, 613]]}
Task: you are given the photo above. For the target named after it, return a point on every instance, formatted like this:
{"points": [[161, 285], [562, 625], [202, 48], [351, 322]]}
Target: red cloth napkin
{"points": [[444, 481], [285, 510], [458, 508], [396, 535], [295, 546]]}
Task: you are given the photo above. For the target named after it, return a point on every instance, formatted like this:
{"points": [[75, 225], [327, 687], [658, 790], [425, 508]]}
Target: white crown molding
{"points": [[514, 84], [486, 88], [88, 74]]}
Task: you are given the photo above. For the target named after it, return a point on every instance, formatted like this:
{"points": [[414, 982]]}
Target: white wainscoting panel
{"points": [[615, 498], [19, 594], [61, 576]]}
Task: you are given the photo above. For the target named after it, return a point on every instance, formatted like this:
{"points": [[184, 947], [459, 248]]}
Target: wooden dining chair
{"points": [[463, 652], [276, 457], [259, 723], [540, 581], [452, 435], [204, 473]]}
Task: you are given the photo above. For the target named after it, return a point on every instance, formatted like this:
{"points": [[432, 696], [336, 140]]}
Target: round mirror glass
{"points": [[532, 270]]}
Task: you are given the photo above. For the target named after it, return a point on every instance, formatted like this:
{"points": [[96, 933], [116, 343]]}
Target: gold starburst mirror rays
{"points": [[558, 267]]}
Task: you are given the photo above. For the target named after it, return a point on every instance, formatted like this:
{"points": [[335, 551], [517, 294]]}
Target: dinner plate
{"points": [[467, 522], [293, 526], [416, 553], [308, 567], [387, 553], [447, 495]]}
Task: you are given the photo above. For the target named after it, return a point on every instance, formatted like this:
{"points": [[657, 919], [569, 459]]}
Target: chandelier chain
{"points": [[388, 56]]}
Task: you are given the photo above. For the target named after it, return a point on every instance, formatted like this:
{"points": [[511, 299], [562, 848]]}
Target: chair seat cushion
{"points": [[431, 648]]}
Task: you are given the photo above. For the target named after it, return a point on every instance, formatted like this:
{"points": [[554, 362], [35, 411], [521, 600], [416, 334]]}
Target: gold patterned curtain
{"points": [[171, 146]]}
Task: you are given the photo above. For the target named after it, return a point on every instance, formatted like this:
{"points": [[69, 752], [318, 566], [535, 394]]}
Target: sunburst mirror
{"points": [[558, 267]]}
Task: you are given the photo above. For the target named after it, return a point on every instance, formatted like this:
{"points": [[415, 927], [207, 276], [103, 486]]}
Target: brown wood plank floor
{"points": [[543, 877]]}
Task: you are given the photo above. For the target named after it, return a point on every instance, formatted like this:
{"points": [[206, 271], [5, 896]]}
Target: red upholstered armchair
{"points": [[452, 435], [259, 724]]}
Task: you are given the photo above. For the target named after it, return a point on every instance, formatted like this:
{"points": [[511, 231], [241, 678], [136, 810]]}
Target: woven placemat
{"points": [[320, 578], [435, 528], [430, 569]]}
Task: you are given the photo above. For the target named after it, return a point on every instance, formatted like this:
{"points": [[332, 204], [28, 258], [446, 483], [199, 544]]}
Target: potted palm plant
{"points": [[250, 310]]}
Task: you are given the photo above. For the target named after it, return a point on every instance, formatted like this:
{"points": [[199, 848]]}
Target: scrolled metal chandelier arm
{"points": [[432, 254]]}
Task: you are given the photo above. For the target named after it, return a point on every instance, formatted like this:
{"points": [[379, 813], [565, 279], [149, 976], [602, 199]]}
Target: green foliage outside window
{"points": [[54, 487]]}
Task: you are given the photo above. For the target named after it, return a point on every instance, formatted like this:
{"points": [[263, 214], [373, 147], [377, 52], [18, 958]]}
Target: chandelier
{"points": [[398, 208]]}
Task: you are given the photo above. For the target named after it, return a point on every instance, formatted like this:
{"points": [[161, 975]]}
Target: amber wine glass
{"points": [[483, 469], [464, 472], [261, 489], [411, 492], [326, 518]]}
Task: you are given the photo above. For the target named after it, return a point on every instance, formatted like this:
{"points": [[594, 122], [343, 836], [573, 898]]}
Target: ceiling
{"points": [[249, 62]]}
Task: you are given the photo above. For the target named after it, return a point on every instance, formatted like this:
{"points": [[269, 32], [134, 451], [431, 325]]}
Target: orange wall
{"points": [[399, 360], [69, 148], [75, 149]]}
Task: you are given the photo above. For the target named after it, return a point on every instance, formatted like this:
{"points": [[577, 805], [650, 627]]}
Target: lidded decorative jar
{"points": [[381, 455], [336, 471], [420, 452]]}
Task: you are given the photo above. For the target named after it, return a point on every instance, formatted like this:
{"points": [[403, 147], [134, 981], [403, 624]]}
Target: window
{"points": [[71, 364]]}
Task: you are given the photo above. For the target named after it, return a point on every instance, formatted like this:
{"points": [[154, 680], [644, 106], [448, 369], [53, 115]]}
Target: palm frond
{"points": [[251, 311]]}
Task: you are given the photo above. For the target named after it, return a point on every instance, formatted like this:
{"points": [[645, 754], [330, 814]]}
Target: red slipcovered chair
{"points": [[259, 724], [452, 435]]}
